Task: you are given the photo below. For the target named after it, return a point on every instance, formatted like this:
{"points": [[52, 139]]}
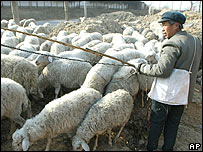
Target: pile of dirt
{"points": [[116, 22]]}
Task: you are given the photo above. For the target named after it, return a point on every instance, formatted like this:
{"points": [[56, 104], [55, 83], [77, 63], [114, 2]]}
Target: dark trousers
{"points": [[165, 117]]}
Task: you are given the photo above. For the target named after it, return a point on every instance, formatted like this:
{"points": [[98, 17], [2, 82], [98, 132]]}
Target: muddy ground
{"points": [[134, 135]]}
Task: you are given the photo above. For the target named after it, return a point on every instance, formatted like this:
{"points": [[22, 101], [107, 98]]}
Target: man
{"points": [[177, 53]]}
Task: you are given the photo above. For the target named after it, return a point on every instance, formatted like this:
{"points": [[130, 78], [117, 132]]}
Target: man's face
{"points": [[168, 29]]}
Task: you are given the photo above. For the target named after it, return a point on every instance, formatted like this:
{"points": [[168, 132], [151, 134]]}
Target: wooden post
{"points": [[66, 10], [85, 9], [30, 4], [15, 13]]}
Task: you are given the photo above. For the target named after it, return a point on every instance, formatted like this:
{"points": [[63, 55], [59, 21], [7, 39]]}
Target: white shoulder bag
{"points": [[173, 90]]}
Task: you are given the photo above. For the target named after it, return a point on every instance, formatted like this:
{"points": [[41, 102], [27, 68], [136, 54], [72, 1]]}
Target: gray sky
{"points": [[175, 4]]}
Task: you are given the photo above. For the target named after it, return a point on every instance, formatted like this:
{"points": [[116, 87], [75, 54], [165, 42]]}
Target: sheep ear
{"points": [[50, 59], [25, 144], [85, 146]]}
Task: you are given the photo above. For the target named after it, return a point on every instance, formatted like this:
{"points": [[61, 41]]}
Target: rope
{"points": [[87, 49]]}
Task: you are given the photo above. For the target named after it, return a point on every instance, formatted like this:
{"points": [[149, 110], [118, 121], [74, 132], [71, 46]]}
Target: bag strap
{"points": [[193, 56]]}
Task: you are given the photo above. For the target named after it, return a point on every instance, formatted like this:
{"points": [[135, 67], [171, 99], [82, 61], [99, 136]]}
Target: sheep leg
{"points": [[96, 143], [19, 120], [48, 144], [142, 99], [117, 136], [110, 137], [57, 89], [29, 110], [12, 129]]}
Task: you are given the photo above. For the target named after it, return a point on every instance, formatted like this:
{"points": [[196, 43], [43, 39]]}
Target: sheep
{"points": [[123, 46], [71, 36], [68, 73], [157, 29], [28, 47], [46, 46], [40, 29], [32, 40], [14, 101], [5, 50], [20, 70], [11, 22], [101, 73], [61, 115], [145, 31], [92, 43], [113, 110], [129, 39], [62, 33], [128, 30], [118, 40], [21, 36], [57, 48], [124, 78], [7, 34], [48, 27], [108, 37], [4, 23], [139, 37], [87, 38], [10, 41], [22, 22], [139, 45], [28, 21], [40, 39]]}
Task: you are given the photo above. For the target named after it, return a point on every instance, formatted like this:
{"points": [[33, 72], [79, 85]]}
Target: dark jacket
{"points": [[177, 52]]}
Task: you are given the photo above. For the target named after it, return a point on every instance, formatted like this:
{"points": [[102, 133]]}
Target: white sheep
{"points": [[28, 21], [5, 50], [86, 38], [128, 30], [129, 39], [57, 48], [61, 115], [24, 46], [125, 78], [101, 73], [40, 29], [46, 46], [68, 73], [9, 41], [14, 101], [113, 110], [139, 37], [4, 23], [40, 39], [48, 27], [92, 43], [21, 36], [22, 22], [19, 70], [108, 37], [32, 40], [157, 29]]}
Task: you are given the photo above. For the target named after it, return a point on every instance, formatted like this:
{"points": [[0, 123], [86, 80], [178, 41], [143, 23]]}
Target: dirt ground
{"points": [[134, 135]]}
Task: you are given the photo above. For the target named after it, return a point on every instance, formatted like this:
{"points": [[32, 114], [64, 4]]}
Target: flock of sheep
{"points": [[104, 89]]}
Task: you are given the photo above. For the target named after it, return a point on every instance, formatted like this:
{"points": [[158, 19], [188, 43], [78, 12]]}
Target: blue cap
{"points": [[174, 16]]}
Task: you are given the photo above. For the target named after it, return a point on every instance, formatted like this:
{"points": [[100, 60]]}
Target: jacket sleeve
{"points": [[168, 57]]}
